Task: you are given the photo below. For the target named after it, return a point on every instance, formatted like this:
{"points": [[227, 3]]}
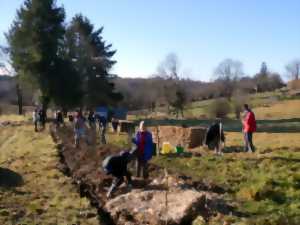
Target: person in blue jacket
{"points": [[144, 152]]}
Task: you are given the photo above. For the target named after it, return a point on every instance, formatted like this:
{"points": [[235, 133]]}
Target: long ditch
{"points": [[91, 184]]}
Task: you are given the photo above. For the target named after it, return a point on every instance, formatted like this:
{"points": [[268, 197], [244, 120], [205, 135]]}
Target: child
{"points": [[116, 165]]}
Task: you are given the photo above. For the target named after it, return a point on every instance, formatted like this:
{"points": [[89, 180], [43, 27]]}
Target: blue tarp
{"points": [[102, 111], [120, 113]]}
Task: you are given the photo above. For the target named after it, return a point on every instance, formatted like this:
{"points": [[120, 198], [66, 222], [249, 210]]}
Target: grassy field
{"points": [[280, 110], [32, 190], [263, 186]]}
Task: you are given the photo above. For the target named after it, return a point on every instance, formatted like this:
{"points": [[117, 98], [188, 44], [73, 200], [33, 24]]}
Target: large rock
{"points": [[156, 207]]}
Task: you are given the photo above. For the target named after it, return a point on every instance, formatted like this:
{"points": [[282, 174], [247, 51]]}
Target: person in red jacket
{"points": [[249, 127]]}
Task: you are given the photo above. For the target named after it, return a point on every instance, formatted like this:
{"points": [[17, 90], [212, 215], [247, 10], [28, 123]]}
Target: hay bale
{"points": [[189, 137], [197, 136]]}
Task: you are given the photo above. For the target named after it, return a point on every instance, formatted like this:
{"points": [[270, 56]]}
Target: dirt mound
{"points": [[166, 198], [189, 137]]}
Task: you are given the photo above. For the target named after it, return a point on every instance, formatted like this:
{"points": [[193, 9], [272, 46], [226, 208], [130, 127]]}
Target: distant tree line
{"points": [[166, 88]]}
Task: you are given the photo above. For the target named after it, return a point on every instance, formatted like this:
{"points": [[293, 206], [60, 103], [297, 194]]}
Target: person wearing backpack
{"points": [[144, 143], [116, 165]]}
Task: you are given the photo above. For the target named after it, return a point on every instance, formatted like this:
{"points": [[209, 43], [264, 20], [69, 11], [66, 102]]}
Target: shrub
{"points": [[238, 101], [219, 108]]}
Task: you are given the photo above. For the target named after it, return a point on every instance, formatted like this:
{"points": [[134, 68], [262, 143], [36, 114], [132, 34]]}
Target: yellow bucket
{"points": [[167, 148]]}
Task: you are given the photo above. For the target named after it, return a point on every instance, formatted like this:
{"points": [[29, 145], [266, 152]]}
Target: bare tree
{"points": [[169, 67], [227, 74], [293, 69], [174, 93], [229, 69]]}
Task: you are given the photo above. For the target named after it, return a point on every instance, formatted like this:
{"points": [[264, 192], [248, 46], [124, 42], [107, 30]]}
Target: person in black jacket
{"points": [[116, 165], [215, 137]]}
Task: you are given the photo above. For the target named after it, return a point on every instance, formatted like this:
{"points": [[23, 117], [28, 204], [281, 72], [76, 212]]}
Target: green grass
{"points": [[264, 187]]}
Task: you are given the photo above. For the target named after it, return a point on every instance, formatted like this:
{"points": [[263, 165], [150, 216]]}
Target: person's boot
{"points": [[76, 143], [129, 187]]}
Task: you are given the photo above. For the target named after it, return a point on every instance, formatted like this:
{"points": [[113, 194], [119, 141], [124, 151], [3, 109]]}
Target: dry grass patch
{"points": [[45, 196], [282, 110]]}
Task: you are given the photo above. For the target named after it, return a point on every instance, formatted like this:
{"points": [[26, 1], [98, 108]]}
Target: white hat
{"points": [[142, 125]]}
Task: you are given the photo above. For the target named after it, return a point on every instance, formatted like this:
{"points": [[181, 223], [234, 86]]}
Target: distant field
{"points": [[280, 110], [268, 105]]}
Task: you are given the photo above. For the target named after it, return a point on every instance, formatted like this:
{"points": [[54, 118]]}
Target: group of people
{"points": [[116, 165], [80, 126], [215, 138]]}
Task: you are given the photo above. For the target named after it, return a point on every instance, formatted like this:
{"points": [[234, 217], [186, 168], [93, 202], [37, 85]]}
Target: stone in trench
{"points": [[149, 207]]}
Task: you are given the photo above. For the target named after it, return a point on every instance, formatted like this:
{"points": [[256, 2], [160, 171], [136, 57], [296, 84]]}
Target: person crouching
{"points": [[116, 165], [215, 138]]}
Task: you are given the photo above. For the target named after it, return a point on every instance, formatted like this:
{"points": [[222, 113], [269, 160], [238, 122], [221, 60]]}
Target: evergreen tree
{"points": [[35, 38], [92, 59]]}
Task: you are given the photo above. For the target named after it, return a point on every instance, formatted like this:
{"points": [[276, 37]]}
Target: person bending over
{"points": [[116, 165]]}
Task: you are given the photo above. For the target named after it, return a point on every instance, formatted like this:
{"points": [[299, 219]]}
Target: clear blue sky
{"points": [[200, 32]]}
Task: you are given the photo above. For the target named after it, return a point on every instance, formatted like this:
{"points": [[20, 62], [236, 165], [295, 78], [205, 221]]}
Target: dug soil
{"points": [[164, 199]]}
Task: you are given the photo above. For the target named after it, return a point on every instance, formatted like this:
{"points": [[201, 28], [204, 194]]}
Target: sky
{"points": [[202, 33]]}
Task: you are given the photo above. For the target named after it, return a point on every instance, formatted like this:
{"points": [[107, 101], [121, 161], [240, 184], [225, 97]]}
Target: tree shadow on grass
{"points": [[9, 178], [233, 149], [279, 158], [178, 155]]}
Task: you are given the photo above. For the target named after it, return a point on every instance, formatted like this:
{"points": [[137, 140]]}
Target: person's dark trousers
{"points": [[118, 180], [102, 135], [36, 126], [248, 141], [141, 167]]}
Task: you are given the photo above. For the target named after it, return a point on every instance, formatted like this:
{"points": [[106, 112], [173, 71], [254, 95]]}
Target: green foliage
{"points": [[91, 58], [69, 65], [34, 40]]}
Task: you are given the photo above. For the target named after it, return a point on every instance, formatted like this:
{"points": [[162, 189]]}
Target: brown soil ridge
{"points": [[84, 166]]}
